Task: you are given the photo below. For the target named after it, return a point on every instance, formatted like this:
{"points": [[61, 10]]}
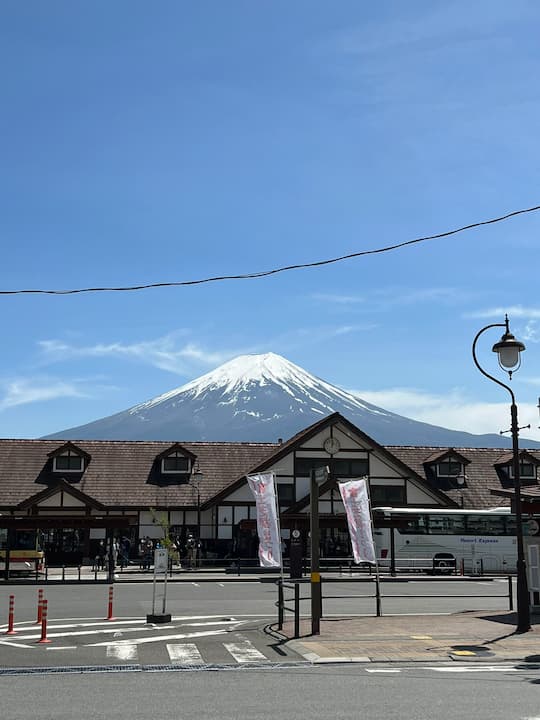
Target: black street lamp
{"points": [[509, 349], [197, 479]]}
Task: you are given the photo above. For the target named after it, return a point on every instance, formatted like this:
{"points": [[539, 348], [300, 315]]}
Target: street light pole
{"points": [[197, 477], [508, 350]]}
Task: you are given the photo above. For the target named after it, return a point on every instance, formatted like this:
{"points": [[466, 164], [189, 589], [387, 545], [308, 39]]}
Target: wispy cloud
{"points": [[453, 410], [339, 299], [390, 297], [513, 311], [528, 331], [163, 353], [26, 391]]}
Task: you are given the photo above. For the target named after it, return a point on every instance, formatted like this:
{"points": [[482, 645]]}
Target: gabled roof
{"points": [[508, 457], [302, 437], [62, 449], [444, 454], [176, 447], [61, 485], [119, 473], [482, 473]]}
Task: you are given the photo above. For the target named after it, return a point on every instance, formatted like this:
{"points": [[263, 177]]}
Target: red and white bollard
{"points": [[10, 630], [110, 609], [39, 605], [44, 638]]}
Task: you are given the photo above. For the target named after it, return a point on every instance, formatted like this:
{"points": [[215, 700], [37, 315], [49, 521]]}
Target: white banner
{"points": [[355, 497], [262, 487]]}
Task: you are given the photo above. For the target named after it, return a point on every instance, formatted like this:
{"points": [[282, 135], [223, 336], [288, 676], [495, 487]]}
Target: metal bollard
{"points": [[63, 573], [280, 605], [510, 594], [296, 610]]}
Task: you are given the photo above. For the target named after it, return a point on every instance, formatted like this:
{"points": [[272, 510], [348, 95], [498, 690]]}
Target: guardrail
{"points": [[294, 585]]}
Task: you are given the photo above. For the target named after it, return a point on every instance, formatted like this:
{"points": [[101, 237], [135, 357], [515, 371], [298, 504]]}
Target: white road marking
{"points": [[29, 625], [473, 668], [10, 643], [122, 652], [244, 652], [158, 638], [195, 584], [221, 585], [185, 654], [101, 631], [376, 670], [63, 647]]}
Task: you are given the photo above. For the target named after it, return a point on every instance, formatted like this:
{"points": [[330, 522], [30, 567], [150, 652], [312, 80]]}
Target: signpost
{"points": [[318, 477], [161, 566]]}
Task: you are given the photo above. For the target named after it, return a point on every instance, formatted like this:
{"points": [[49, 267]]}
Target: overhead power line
{"points": [[275, 271]]}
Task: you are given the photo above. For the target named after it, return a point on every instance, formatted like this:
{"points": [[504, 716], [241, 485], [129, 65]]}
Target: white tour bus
{"points": [[445, 540]]}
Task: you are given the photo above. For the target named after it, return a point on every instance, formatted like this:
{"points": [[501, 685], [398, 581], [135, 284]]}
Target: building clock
{"points": [[331, 445]]}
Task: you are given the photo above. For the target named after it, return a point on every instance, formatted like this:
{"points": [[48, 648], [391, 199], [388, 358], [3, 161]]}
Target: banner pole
{"points": [[278, 516], [377, 577]]}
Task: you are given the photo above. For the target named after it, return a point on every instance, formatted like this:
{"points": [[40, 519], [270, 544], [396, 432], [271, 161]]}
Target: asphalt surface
{"points": [[219, 621]]}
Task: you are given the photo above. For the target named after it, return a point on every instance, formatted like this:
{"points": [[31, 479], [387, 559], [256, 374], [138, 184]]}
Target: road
{"points": [[213, 623], [421, 692]]}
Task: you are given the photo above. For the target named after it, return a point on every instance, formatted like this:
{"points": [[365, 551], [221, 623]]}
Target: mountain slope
{"points": [[261, 398]]}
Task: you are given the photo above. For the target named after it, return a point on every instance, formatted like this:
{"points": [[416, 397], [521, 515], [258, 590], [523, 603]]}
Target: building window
{"points": [[68, 462], [526, 470], [285, 493], [449, 468], [387, 494], [175, 463], [343, 468]]}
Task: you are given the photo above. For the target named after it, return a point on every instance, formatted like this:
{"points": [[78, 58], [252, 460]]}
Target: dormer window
{"points": [[449, 468], [68, 461], [176, 462], [526, 470]]}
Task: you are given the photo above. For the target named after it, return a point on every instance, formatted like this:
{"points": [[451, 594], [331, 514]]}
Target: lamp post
{"points": [[508, 349], [318, 476], [197, 479]]}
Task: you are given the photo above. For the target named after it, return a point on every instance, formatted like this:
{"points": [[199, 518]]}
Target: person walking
{"points": [[101, 552]]}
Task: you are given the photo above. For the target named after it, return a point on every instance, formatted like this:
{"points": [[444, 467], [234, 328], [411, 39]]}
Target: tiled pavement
{"points": [[485, 636]]}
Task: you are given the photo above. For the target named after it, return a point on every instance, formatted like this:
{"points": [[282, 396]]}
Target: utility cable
{"points": [[275, 271]]}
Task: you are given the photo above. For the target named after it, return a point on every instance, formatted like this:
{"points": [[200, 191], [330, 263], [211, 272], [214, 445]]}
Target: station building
{"points": [[79, 492]]}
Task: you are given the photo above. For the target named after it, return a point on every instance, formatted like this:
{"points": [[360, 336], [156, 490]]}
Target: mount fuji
{"points": [[260, 398]]}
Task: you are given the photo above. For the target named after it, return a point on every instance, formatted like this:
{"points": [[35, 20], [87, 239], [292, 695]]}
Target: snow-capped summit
{"points": [[260, 398], [249, 372]]}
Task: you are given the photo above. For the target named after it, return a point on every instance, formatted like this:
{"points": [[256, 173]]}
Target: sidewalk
{"points": [[473, 636]]}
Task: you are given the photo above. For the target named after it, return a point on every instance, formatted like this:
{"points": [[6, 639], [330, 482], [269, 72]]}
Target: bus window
{"points": [[485, 525], [446, 524], [415, 526]]}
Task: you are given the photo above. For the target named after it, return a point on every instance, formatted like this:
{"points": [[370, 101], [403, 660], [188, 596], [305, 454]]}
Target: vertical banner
{"points": [[354, 494], [262, 487]]}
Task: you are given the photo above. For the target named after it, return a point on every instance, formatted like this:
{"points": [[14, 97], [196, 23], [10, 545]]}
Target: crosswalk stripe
{"points": [[184, 654], [122, 652], [244, 652]]}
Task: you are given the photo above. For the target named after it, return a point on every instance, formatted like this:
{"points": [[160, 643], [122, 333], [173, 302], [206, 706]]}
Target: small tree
{"points": [[166, 541]]}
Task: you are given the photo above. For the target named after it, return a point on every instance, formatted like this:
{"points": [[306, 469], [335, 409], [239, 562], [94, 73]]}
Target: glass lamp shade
{"points": [[508, 357], [509, 351]]}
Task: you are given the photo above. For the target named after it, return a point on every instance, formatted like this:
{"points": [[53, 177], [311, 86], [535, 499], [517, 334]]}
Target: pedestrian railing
{"points": [[283, 602]]}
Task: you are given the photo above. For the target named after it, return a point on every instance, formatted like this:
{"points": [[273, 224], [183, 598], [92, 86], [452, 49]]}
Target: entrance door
{"points": [[64, 546]]}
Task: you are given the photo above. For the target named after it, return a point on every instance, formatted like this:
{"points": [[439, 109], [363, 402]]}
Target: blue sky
{"points": [[147, 143]]}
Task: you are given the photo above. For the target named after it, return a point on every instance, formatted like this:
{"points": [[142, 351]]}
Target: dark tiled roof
{"points": [[122, 473], [481, 473]]}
